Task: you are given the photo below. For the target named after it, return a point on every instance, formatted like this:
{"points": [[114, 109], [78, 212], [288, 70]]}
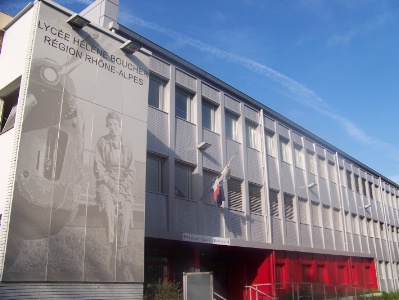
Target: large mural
{"points": [[77, 212]]}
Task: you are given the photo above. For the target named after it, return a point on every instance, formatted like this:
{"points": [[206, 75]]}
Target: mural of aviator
{"points": [[77, 210]]}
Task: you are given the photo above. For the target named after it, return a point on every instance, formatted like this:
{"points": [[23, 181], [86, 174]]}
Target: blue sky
{"points": [[330, 66]]}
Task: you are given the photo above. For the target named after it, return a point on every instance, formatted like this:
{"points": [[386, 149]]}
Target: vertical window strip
{"points": [[234, 194], [349, 179], [315, 214], [255, 201], [332, 172], [326, 217], [364, 187], [303, 214], [337, 219], [322, 163], [273, 200], [312, 162], [357, 185], [289, 207]]}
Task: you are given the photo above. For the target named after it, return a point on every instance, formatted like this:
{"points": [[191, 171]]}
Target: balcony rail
{"points": [[304, 291]]}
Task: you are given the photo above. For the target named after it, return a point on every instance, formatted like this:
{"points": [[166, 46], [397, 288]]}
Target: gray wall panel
{"points": [[296, 138], [254, 166], [300, 185], [186, 148], [324, 194], [258, 233], [364, 244], [372, 246], [291, 233], [186, 216], [213, 221], [317, 237], [270, 124], [232, 104], [233, 147], [236, 225], [185, 80], [160, 67], [272, 173], [335, 202], [210, 93], [157, 131], [283, 131], [70, 291], [211, 157], [328, 239], [251, 114], [287, 178], [156, 211], [339, 240], [305, 235], [356, 243], [276, 231]]}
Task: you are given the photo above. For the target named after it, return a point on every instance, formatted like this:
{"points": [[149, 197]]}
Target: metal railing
{"points": [[216, 296], [303, 291]]}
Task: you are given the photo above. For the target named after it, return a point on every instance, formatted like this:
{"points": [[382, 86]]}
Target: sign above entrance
{"points": [[195, 238]]}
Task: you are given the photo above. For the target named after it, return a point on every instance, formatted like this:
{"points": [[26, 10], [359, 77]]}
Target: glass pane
{"points": [[154, 94], [182, 182], [230, 126], [153, 182], [181, 105], [207, 117]]}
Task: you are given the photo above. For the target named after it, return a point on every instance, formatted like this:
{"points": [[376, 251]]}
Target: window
{"points": [[285, 150], [182, 182], [349, 179], [156, 92], [355, 224], [273, 200], [183, 105], [326, 217], [289, 207], [270, 144], [250, 133], [303, 212], [371, 190], [299, 159], [322, 164], [231, 125], [208, 116], [332, 172], [370, 229], [364, 187], [312, 162], [8, 109], [154, 174], [357, 184], [337, 219], [315, 214], [363, 226], [234, 194], [255, 202]]}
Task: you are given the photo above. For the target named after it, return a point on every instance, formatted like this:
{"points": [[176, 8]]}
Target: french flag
{"points": [[218, 192]]}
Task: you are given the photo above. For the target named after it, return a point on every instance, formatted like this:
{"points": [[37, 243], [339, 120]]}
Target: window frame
{"points": [[285, 150], [160, 174], [232, 119], [187, 111], [299, 156], [188, 189], [250, 134], [212, 117], [161, 92]]}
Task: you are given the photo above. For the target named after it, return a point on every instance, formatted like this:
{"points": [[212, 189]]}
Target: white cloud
{"points": [[300, 92]]}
